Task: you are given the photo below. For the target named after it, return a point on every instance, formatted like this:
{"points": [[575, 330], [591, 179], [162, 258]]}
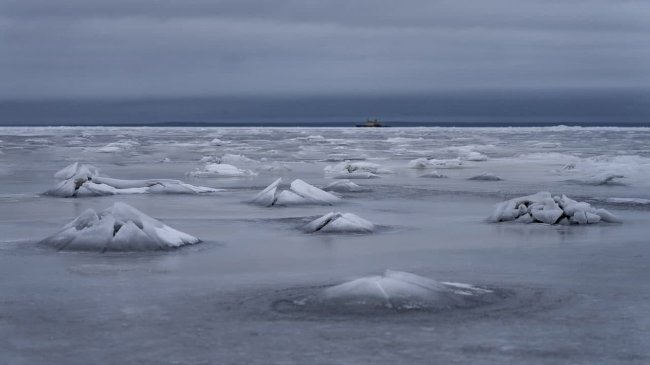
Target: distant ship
{"points": [[371, 123]]}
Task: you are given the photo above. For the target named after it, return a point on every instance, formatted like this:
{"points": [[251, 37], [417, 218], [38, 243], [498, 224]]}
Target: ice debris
{"points": [[299, 193], [117, 228], [85, 180], [544, 208], [339, 223]]}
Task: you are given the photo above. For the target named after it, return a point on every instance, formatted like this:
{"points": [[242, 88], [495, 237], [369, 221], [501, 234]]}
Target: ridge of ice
{"points": [[85, 180], [117, 228]]}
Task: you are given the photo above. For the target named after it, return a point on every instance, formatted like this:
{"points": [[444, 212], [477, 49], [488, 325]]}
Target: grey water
{"points": [[611, 107], [575, 295]]}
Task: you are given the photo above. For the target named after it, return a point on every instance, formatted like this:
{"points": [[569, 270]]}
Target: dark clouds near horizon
{"points": [[141, 48]]}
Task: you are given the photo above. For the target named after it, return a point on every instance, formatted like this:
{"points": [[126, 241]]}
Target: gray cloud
{"points": [[170, 48]]}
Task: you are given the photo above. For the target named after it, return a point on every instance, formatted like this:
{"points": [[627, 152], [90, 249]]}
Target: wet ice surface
{"points": [[565, 294]]}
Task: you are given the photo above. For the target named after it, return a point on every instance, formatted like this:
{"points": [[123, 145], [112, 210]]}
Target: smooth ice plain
{"points": [[559, 294]]}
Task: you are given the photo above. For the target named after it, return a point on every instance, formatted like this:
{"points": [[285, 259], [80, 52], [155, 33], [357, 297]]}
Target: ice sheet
{"points": [[572, 294]]}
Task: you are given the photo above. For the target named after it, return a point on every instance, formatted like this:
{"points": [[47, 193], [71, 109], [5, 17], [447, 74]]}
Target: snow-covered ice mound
{"points": [[85, 180], [339, 223], [345, 186], [356, 170], [221, 170], [395, 290], [434, 175], [426, 163], [299, 193], [486, 176], [544, 208], [117, 228]]}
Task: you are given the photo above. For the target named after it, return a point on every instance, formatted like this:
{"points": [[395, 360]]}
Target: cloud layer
{"points": [[138, 48]]}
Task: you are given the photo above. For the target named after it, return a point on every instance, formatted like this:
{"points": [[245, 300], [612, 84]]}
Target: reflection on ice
{"points": [[395, 290]]}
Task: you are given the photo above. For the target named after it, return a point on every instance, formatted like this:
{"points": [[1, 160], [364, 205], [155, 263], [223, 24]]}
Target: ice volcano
{"points": [[299, 193], [85, 180], [117, 228], [339, 223], [392, 291], [544, 208]]}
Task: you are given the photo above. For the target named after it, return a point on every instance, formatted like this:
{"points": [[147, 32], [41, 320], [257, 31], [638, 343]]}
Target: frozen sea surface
{"points": [[571, 295]]}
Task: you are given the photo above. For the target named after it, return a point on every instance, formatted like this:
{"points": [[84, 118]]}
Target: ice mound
{"points": [[356, 170], [339, 223], [85, 180], [117, 228], [345, 186], [434, 175], [299, 193], [474, 156], [276, 167], [544, 208], [486, 176], [600, 179], [396, 290], [426, 163], [632, 201], [221, 170], [119, 146], [237, 159]]}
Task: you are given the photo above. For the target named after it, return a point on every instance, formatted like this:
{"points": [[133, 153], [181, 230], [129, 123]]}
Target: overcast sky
{"points": [[143, 48]]}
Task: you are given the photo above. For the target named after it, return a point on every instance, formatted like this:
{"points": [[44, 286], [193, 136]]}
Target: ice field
{"points": [[281, 280]]}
